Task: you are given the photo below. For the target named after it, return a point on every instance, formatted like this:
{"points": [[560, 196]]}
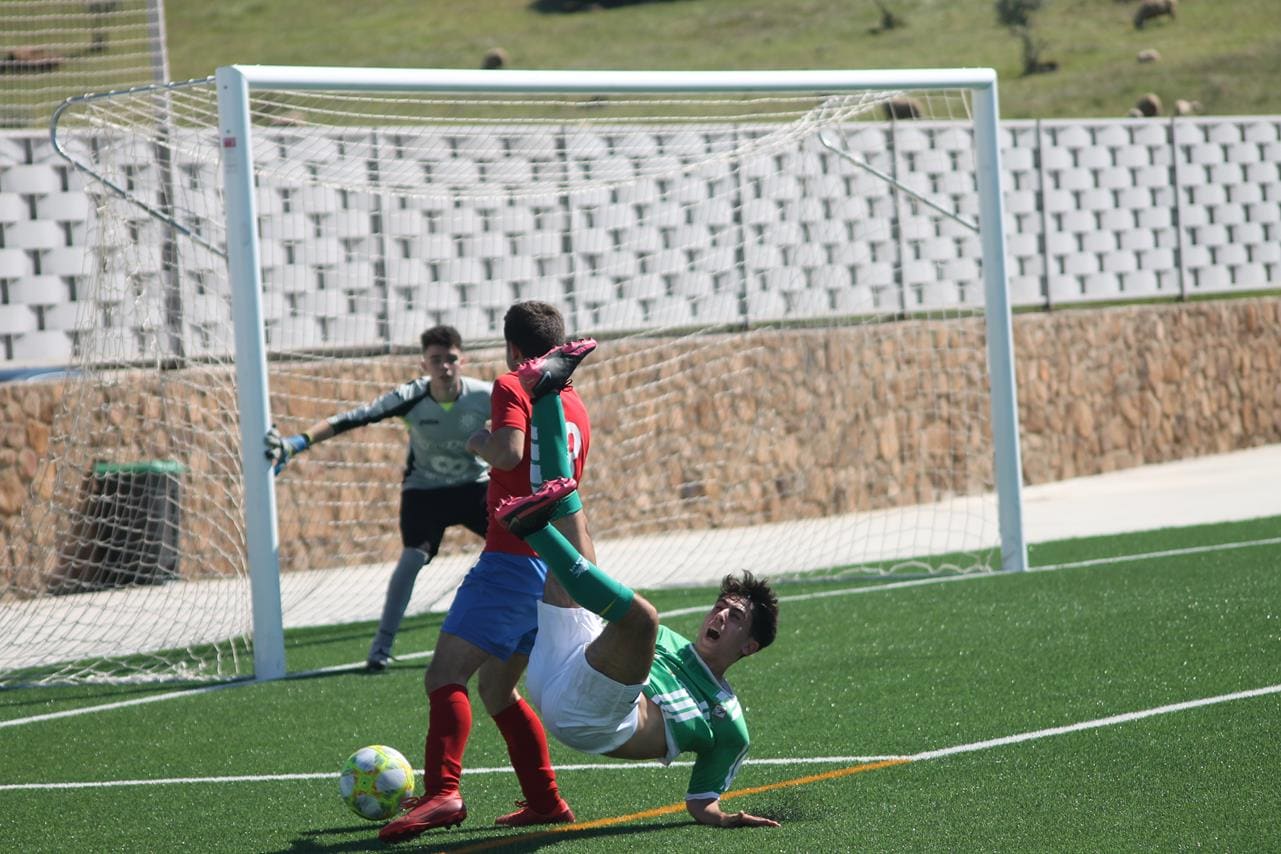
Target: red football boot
{"points": [[443, 810], [524, 514], [550, 372], [526, 815]]}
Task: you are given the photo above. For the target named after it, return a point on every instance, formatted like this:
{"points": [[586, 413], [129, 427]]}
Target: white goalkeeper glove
{"points": [[281, 449]]}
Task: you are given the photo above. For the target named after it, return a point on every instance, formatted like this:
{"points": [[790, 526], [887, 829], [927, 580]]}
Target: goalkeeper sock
{"points": [[549, 456], [448, 726], [399, 591], [582, 579]]}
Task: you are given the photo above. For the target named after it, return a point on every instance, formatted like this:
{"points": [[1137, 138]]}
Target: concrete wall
{"points": [[1099, 389]]}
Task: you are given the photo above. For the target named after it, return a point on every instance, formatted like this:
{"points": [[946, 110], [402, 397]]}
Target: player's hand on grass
{"points": [[743, 819], [709, 812], [281, 449]]}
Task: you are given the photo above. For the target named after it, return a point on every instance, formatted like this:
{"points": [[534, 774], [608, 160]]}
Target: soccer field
{"points": [[1125, 695]]}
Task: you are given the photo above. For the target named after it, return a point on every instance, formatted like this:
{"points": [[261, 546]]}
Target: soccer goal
{"points": [[797, 279]]}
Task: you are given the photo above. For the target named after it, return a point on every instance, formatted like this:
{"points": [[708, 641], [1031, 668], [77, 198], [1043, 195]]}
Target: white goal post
{"points": [[235, 84], [797, 277]]}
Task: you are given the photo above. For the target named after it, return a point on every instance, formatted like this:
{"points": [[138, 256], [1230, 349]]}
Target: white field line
{"points": [[972, 747], [677, 612], [1190, 550]]}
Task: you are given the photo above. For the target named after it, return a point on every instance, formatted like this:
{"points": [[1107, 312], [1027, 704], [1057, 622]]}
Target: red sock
{"points": [[448, 726], [527, 748]]}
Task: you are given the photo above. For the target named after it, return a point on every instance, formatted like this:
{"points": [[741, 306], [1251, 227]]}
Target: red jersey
{"points": [[510, 406]]}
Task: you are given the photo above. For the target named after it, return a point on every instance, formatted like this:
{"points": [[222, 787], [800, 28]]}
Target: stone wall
{"points": [[841, 420]]}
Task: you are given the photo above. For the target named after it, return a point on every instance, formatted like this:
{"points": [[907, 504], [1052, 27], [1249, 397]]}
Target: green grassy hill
{"points": [[1224, 53]]}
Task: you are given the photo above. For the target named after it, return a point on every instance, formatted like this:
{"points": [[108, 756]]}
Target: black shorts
{"points": [[426, 513]]}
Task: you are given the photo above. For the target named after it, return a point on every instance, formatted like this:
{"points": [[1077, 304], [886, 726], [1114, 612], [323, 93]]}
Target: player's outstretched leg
{"points": [[528, 517], [548, 373]]}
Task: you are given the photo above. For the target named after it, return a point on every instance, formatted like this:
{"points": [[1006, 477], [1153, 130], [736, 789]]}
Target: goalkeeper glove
{"points": [[280, 449]]}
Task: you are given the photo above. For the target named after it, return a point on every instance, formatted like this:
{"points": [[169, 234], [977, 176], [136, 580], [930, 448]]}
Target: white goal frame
{"points": [[234, 84]]}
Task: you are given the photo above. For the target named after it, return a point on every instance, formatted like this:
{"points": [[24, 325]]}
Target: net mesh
{"points": [[791, 375]]}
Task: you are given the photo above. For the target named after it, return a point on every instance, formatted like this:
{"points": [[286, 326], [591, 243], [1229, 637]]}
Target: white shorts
{"points": [[582, 707]]}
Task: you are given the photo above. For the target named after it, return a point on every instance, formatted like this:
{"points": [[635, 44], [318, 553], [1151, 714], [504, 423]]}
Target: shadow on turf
{"points": [[313, 841]]}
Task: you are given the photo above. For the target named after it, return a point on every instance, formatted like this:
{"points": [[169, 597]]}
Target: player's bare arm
{"points": [[502, 449]]}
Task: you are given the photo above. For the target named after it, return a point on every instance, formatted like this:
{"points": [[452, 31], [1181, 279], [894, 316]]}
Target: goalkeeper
{"points": [[625, 686], [444, 484]]}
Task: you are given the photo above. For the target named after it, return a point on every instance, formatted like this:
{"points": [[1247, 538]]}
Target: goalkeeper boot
{"points": [[527, 815], [550, 372], [422, 814], [525, 514]]}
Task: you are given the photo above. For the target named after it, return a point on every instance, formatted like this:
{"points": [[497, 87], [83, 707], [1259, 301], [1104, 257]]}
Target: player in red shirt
{"points": [[492, 622]]}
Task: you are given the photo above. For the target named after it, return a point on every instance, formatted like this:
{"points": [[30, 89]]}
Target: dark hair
{"points": [[764, 604], [534, 327], [445, 336]]}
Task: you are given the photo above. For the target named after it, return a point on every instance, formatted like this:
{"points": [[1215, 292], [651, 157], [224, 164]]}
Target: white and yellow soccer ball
{"points": [[374, 780]]}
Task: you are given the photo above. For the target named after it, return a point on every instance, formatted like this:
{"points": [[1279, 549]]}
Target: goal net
{"points": [[788, 284]]}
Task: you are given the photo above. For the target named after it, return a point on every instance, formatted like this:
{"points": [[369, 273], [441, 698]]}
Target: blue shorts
{"points": [[496, 607]]}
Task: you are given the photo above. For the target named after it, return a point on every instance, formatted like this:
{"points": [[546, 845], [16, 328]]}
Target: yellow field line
{"points": [[671, 809]]}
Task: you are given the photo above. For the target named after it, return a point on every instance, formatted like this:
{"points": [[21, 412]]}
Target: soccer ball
{"points": [[374, 780]]}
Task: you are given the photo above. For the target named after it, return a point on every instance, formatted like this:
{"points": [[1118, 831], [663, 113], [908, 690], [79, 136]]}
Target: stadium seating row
{"points": [[1095, 210]]}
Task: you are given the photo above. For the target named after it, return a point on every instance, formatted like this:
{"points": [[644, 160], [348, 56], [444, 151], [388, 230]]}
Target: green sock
{"points": [[582, 579], [549, 450]]}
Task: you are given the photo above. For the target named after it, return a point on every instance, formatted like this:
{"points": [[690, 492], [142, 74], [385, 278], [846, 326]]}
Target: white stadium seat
{"points": [[766, 305], [643, 287], [1260, 130], [13, 208], [1250, 276], [1223, 133], [1229, 214], [1120, 262], [34, 234], [361, 329], [66, 316], [671, 311], [1098, 241], [1080, 264], [1149, 133], [16, 319], [48, 347], [853, 300], [938, 294], [1026, 290], [39, 290], [15, 262], [1263, 212], [718, 308], [620, 314], [1154, 218], [31, 179], [1136, 241], [1211, 279], [1156, 259], [1065, 289], [1245, 193]]}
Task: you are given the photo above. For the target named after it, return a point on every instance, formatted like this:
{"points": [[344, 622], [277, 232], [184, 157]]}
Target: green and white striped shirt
{"points": [[701, 714]]}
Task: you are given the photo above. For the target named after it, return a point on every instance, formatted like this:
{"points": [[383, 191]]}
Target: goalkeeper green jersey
{"points": [[700, 712]]}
